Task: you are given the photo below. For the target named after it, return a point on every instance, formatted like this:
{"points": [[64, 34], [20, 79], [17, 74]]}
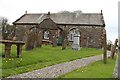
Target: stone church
{"points": [[56, 26]]}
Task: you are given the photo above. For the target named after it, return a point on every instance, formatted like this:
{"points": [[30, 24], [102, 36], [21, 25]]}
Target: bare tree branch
{"points": [[65, 11]]}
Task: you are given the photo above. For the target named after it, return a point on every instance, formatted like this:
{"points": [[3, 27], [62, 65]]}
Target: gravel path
{"points": [[58, 69]]}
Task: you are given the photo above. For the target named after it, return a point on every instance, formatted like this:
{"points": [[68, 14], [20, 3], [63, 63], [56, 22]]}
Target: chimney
{"points": [[48, 15], [101, 12], [25, 12]]}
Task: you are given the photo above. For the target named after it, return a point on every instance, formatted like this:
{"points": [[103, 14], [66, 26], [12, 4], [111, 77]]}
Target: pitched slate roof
{"points": [[63, 18]]}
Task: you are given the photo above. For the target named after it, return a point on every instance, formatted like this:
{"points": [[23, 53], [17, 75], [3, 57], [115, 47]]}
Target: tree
{"points": [[77, 11], [4, 22], [5, 28], [109, 44], [65, 11]]}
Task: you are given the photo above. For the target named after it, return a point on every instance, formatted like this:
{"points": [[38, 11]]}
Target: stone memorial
{"points": [[76, 41]]}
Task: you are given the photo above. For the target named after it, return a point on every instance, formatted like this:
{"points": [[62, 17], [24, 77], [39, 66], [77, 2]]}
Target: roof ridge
{"points": [[34, 13], [78, 13], [62, 18], [60, 13]]}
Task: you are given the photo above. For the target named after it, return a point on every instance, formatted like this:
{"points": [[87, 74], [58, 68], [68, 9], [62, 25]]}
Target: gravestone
{"points": [[76, 41], [39, 39], [113, 49], [30, 39], [54, 41], [64, 43]]}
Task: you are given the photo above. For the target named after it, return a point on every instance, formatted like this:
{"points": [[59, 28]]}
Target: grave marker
{"points": [[76, 41]]}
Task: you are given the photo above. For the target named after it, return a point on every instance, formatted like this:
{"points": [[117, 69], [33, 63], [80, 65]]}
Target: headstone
{"points": [[87, 45], [64, 36], [76, 41], [64, 44], [30, 40], [39, 39], [54, 41], [113, 49]]}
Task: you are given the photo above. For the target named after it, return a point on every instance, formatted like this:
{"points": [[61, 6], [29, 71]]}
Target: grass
{"points": [[94, 70], [41, 57]]}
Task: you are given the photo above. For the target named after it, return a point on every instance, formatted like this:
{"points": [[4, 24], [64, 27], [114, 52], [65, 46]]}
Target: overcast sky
{"points": [[13, 9]]}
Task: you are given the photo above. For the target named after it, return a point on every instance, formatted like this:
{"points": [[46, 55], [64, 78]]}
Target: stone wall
{"points": [[90, 36]]}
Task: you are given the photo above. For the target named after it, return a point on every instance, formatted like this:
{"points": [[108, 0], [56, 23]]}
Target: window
{"points": [[73, 32], [46, 35]]}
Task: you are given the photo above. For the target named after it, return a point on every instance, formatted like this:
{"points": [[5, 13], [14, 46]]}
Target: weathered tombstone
{"points": [[54, 41], [113, 49], [39, 38], [31, 37], [105, 48], [54, 38], [27, 34], [87, 42], [76, 41], [64, 43]]}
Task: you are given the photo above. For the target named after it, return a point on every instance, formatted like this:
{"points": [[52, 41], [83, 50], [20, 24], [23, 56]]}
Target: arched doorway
{"points": [[73, 32]]}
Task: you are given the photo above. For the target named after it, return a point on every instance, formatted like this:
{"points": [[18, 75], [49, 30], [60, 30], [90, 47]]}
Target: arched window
{"points": [[72, 33], [46, 35]]}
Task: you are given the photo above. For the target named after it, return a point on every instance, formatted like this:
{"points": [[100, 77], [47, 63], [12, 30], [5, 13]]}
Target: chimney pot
{"points": [[25, 12], [101, 11], [48, 13]]}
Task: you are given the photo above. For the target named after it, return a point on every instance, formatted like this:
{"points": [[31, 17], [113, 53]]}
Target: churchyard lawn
{"points": [[42, 57]]}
